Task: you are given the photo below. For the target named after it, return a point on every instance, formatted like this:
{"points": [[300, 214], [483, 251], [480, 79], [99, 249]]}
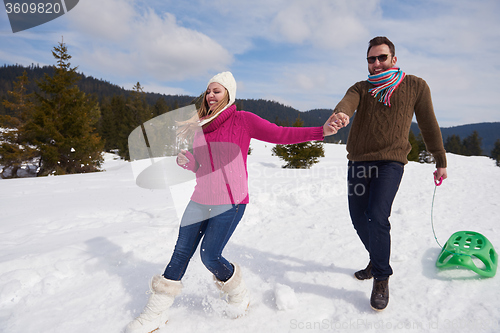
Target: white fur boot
{"points": [[155, 314], [237, 294]]}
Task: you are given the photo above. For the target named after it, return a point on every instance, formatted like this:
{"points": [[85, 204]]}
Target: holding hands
{"points": [[334, 123]]}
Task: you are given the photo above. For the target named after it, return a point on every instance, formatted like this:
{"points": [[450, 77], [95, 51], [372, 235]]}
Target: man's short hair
{"points": [[380, 40]]}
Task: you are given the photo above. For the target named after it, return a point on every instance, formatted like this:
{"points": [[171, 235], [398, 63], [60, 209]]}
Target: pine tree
{"points": [[495, 153], [112, 112], [135, 113], [300, 155], [415, 150], [62, 125], [160, 107], [454, 145], [138, 105], [14, 155], [472, 145]]}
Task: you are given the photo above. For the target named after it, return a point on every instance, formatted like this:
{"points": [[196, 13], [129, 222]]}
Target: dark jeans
{"points": [[216, 224], [372, 188]]}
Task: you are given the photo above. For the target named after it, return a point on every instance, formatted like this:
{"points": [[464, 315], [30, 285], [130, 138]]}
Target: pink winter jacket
{"points": [[220, 154]]}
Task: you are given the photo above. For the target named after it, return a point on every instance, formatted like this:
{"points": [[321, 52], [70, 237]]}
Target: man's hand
{"points": [[440, 174], [334, 123], [341, 119]]}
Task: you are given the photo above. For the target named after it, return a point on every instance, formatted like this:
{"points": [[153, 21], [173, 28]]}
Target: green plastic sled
{"points": [[462, 247]]}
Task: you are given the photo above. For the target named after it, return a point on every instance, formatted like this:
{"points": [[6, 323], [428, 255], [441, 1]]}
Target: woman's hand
{"points": [[181, 157]]}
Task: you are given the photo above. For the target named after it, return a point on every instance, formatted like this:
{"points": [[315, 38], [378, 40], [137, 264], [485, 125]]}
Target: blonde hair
{"points": [[187, 128]]}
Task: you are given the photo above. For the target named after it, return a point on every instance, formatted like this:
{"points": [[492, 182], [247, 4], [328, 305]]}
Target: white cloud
{"points": [[109, 20], [324, 24], [117, 36]]}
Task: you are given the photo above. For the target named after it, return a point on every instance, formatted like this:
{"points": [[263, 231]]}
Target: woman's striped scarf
{"points": [[385, 83]]}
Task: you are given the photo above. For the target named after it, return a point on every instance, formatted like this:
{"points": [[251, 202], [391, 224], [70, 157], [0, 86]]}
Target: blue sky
{"points": [[304, 54]]}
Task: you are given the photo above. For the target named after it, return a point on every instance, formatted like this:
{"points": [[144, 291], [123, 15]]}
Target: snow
{"points": [[77, 252], [285, 297]]}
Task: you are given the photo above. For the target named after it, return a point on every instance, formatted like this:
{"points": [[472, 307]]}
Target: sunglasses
{"points": [[381, 58]]}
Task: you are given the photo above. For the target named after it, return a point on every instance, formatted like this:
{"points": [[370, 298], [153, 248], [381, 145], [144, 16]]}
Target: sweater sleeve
{"points": [[350, 101], [264, 130], [428, 125]]}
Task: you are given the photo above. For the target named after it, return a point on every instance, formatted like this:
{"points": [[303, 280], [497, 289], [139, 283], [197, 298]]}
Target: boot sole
{"points": [[378, 310]]}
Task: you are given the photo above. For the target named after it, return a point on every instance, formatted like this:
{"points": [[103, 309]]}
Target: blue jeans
{"points": [[216, 224], [372, 188]]}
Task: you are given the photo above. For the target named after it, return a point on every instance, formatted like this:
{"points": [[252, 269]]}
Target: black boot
{"points": [[380, 294], [364, 274]]}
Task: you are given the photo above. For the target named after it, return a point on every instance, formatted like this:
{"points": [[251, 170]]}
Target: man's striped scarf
{"points": [[385, 83]]}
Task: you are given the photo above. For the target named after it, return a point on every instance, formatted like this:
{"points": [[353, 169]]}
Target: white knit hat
{"points": [[225, 79]]}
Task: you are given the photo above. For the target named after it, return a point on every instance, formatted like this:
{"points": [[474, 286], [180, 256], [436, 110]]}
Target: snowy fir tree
{"points": [[15, 156], [300, 155], [62, 123]]}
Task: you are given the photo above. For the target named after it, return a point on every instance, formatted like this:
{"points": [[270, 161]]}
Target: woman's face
{"points": [[215, 93]]}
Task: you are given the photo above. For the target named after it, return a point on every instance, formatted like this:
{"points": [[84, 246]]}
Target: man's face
{"points": [[380, 66]]}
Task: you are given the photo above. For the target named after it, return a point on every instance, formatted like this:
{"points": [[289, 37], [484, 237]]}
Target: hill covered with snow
{"points": [[77, 252]]}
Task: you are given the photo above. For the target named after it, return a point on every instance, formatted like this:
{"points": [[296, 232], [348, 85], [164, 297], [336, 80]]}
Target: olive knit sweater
{"points": [[380, 132]]}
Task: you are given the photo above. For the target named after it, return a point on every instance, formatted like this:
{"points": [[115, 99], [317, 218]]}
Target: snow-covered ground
{"points": [[77, 252]]}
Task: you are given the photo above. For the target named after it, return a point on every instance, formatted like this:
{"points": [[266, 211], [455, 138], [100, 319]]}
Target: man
{"points": [[377, 151]]}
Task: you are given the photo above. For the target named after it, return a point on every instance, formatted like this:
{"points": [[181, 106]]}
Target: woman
{"points": [[220, 149]]}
